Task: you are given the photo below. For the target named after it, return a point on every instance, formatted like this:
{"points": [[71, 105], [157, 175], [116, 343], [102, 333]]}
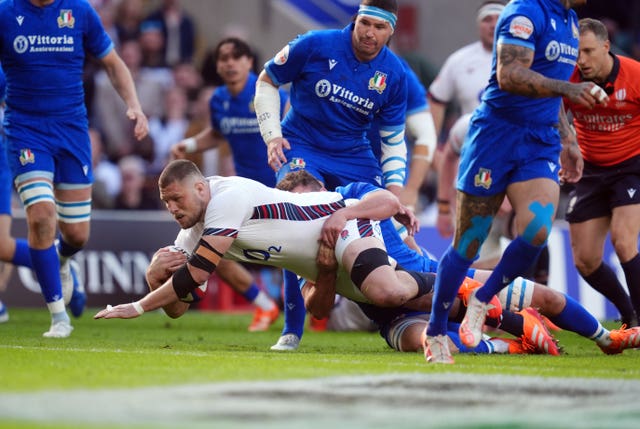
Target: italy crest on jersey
{"points": [[378, 82], [66, 19]]}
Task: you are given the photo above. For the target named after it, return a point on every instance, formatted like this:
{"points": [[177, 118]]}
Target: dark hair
{"points": [[240, 48], [388, 5], [596, 27], [299, 178], [177, 171]]}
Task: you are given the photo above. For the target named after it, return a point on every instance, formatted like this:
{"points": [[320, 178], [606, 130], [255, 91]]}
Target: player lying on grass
{"points": [[561, 309], [247, 221]]}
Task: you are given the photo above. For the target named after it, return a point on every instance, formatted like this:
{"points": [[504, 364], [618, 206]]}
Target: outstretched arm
{"points": [[185, 280]]}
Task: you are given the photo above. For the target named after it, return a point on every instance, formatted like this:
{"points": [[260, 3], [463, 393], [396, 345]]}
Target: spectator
{"points": [[178, 30], [133, 194]]}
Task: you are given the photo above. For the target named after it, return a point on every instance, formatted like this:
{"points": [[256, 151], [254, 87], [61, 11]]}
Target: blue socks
{"points": [[251, 293], [46, 262], [21, 256], [517, 259], [576, 318], [446, 289], [294, 311]]}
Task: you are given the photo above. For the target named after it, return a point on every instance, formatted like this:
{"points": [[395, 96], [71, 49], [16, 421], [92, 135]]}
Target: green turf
{"points": [[207, 347]]}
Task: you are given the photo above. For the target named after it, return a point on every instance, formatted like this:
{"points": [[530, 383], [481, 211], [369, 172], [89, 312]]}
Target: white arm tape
{"points": [[421, 126], [267, 105], [138, 307], [394, 157]]}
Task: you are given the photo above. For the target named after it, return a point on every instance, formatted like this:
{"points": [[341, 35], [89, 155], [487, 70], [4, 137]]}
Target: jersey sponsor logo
{"points": [[483, 178], [66, 19], [332, 63], [378, 82], [27, 157], [239, 125], [20, 18], [561, 52], [339, 94], [552, 166], [602, 122], [40, 43], [521, 27], [282, 56]]}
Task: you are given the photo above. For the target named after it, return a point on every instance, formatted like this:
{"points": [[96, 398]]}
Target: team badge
{"points": [[252, 107], [297, 164], [344, 234], [574, 30], [66, 19], [378, 82], [27, 157], [521, 27], [282, 56], [483, 178]]}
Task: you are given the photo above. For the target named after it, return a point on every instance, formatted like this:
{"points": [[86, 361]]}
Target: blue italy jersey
{"points": [[3, 85], [335, 97], [551, 31], [235, 118], [416, 102], [43, 52]]}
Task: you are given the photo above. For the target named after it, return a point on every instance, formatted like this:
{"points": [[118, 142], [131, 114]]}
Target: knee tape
{"points": [[542, 217], [36, 192], [367, 261], [394, 336], [517, 295], [479, 230], [74, 212]]}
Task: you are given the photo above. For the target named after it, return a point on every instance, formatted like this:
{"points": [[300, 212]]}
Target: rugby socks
{"points": [[512, 323], [45, 262], [517, 259], [256, 296], [65, 250], [605, 281], [294, 311], [451, 272], [631, 270], [21, 256], [574, 317]]}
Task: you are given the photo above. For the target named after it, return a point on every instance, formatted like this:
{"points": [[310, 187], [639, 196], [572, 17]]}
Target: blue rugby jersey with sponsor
{"points": [[551, 31], [235, 118], [43, 52], [334, 97]]}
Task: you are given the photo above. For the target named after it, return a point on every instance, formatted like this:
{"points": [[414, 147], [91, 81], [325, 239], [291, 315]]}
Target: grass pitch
{"points": [[155, 352]]}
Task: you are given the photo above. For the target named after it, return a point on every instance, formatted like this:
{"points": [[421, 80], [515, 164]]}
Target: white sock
{"points": [[264, 302]]}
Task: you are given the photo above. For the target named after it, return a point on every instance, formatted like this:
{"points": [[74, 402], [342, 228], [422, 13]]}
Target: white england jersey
{"points": [[274, 227], [463, 77]]}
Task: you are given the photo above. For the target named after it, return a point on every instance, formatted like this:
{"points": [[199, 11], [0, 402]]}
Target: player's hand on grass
{"points": [[122, 311]]}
